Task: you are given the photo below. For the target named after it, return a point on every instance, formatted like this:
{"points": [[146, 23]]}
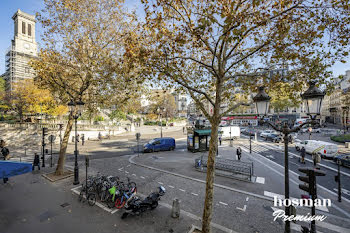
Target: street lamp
{"points": [[313, 100], [159, 110], [76, 108]]}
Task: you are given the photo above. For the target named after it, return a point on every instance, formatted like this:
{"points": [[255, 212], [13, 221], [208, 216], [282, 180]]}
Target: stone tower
{"points": [[23, 48]]}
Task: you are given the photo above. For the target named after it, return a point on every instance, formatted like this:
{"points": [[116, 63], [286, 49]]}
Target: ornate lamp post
{"points": [[159, 110], [313, 100], [75, 108]]}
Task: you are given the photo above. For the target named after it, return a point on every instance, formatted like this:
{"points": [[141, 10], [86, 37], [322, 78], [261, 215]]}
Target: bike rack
{"points": [[227, 167]]}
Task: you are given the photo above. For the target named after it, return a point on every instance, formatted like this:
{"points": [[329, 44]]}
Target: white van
{"points": [[325, 149], [225, 132]]}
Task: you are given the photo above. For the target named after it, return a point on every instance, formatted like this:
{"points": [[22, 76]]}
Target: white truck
{"points": [[325, 149], [228, 132]]}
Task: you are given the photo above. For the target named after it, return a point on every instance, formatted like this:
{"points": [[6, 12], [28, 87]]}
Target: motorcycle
{"points": [[136, 206]]}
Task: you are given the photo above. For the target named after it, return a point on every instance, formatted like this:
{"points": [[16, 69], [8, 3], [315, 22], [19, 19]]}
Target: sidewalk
{"points": [[29, 203]]}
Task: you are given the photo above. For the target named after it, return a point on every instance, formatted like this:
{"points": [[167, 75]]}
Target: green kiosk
{"points": [[198, 139]]}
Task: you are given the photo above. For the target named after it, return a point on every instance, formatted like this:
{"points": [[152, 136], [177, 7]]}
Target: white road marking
{"points": [[142, 177], [160, 183], [126, 172], [332, 227], [260, 180], [247, 199], [223, 203], [134, 174], [273, 195], [128, 165], [194, 194], [171, 186], [97, 203], [182, 190], [120, 168], [116, 210], [244, 208]]}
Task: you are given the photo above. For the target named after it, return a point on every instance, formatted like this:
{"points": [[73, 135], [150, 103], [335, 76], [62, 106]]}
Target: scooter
{"points": [[136, 206]]}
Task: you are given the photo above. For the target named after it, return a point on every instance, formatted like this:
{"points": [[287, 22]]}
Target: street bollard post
{"points": [[175, 211]]}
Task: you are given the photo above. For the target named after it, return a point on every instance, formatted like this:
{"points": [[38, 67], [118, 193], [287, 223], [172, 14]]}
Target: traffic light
{"points": [[45, 131], [309, 179]]}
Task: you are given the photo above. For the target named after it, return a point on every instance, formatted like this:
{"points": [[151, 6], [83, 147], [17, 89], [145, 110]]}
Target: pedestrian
{"points": [[316, 158], [78, 136], [183, 130], [239, 153], [302, 151], [99, 136], [82, 139], [220, 140], [36, 162], [6, 154]]}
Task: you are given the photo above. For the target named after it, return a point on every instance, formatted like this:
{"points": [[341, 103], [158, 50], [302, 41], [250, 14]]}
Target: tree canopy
{"points": [[209, 48]]}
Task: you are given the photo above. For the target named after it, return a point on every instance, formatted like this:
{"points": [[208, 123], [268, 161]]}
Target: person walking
{"points": [[99, 136], [220, 140], [302, 151], [6, 154], [82, 139], [239, 153]]}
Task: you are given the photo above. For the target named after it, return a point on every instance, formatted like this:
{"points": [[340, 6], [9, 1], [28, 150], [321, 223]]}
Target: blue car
{"points": [[159, 144], [343, 159]]}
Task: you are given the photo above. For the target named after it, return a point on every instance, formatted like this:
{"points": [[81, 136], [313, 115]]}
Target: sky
{"points": [[9, 7]]}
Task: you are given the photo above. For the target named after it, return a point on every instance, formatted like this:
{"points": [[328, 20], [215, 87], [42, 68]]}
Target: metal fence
{"points": [[228, 167]]}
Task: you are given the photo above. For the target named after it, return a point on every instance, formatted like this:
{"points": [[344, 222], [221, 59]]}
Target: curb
{"points": [[201, 181]]}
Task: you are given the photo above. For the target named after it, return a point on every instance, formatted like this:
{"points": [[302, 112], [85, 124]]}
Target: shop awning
{"points": [[9, 168], [201, 132]]}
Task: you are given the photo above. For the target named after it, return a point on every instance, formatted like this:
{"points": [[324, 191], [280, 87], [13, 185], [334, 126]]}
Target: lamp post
{"points": [[312, 98], [75, 109], [159, 110]]}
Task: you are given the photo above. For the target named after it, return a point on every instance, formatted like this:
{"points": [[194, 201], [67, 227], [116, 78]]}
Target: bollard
{"points": [[175, 211]]}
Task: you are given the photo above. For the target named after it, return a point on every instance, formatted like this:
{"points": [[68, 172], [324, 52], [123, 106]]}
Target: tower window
{"points": [[29, 29], [23, 28]]}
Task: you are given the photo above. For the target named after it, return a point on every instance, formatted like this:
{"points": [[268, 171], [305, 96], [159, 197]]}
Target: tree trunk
{"points": [[63, 148], [213, 146]]}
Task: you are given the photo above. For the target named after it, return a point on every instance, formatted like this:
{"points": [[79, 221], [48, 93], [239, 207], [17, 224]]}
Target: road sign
{"points": [[138, 135], [52, 138]]}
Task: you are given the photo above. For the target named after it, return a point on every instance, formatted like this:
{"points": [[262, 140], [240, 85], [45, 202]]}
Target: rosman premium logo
{"points": [[300, 202]]}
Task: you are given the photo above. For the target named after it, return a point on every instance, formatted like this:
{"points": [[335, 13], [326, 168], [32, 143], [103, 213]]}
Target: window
{"points": [[26, 70], [29, 30], [23, 28]]}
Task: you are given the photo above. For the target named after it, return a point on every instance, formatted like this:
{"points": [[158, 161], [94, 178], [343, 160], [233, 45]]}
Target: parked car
{"points": [[273, 137], [265, 133], [325, 149], [249, 132], [344, 159], [314, 130], [159, 144]]}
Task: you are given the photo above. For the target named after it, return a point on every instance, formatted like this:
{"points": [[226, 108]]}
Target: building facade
{"points": [[23, 48]]}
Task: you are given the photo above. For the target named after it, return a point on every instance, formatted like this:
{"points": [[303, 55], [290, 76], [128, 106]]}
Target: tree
{"points": [[84, 57], [26, 97], [282, 97], [208, 48], [117, 115]]}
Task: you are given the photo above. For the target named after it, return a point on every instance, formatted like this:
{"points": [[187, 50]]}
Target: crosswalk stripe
{"points": [[260, 180]]}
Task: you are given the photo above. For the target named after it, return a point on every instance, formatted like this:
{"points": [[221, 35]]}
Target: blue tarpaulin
{"points": [[9, 168]]}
